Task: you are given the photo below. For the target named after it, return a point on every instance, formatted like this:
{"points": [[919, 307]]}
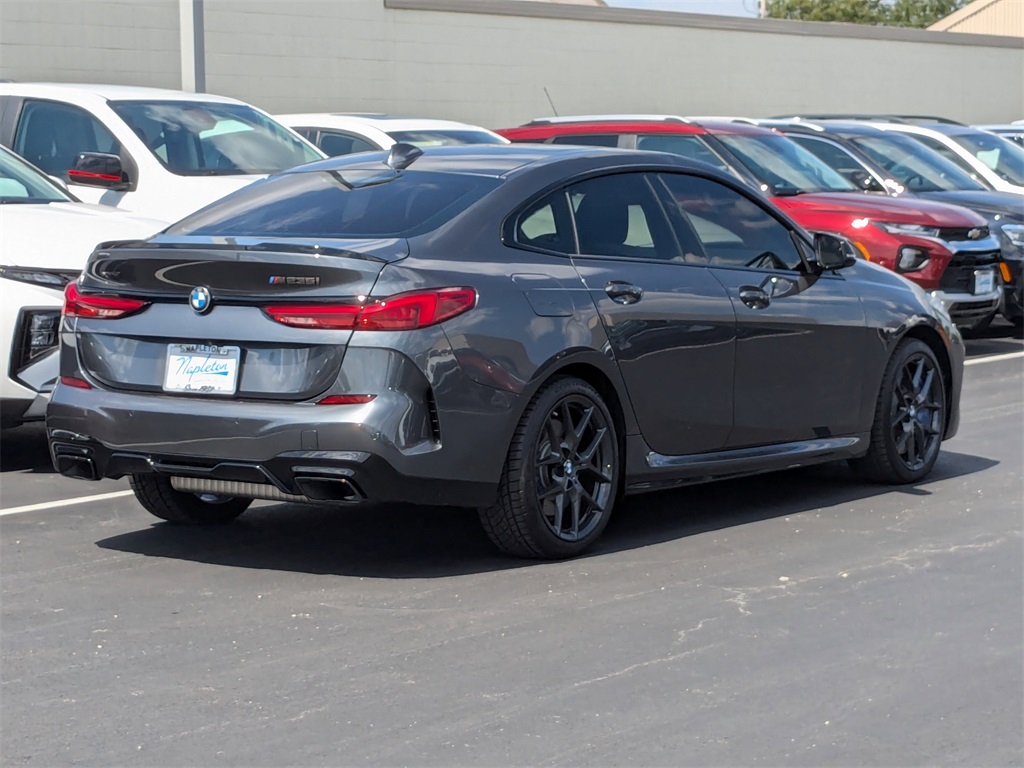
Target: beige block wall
{"points": [[133, 42], [492, 68]]}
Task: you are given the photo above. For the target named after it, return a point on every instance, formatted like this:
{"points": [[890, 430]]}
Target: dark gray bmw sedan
{"points": [[531, 330]]}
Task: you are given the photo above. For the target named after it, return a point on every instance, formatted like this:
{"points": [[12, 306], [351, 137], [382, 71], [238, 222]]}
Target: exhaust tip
{"points": [[78, 467], [329, 489]]}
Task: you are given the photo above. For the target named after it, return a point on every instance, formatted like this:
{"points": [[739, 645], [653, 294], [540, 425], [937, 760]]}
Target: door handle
{"points": [[623, 293], [754, 297]]}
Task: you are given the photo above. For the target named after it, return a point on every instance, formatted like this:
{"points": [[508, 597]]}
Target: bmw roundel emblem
{"points": [[200, 299]]}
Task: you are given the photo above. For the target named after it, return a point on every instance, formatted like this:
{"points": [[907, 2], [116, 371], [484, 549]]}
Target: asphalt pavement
{"points": [[801, 618]]}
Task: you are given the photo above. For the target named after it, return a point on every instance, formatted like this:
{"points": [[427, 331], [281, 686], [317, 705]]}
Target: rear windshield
{"points": [[330, 204], [446, 137]]}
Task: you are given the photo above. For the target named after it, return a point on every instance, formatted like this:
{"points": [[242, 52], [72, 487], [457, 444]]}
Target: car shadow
{"points": [[24, 449], [396, 542]]}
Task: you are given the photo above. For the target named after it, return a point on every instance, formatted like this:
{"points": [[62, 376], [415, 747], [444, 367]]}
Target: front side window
{"points": [[839, 160], [734, 230], [50, 135], [786, 167], [340, 204], [210, 139], [619, 216]]}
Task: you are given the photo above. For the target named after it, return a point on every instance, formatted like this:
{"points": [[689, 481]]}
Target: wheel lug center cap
{"points": [[570, 469]]}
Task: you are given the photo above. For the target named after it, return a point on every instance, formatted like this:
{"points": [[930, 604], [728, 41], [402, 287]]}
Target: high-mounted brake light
{"points": [[100, 307], [402, 312]]}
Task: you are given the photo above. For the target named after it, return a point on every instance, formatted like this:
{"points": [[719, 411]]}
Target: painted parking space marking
{"points": [[64, 503], [994, 358]]}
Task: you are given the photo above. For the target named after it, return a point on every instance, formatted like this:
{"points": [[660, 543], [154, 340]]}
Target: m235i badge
{"points": [[293, 280]]}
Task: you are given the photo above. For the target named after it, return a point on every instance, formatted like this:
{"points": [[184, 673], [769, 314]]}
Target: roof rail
{"points": [[605, 118]]}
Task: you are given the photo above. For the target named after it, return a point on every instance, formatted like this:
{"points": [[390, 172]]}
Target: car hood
{"points": [[986, 202], [904, 210], [62, 235]]}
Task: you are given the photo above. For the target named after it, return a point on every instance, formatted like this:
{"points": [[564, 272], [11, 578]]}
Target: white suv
{"points": [[344, 134], [156, 152], [45, 238]]}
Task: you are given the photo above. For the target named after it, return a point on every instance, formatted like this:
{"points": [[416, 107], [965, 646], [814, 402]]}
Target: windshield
{"points": [[915, 166], [208, 139], [1005, 158], [446, 137], [333, 204], [786, 167], [21, 183]]}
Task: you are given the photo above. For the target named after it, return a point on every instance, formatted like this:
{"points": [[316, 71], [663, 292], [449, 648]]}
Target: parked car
{"points": [[946, 249], [926, 174], [45, 238], [994, 160], [528, 330], [343, 134], [158, 153], [1012, 131]]}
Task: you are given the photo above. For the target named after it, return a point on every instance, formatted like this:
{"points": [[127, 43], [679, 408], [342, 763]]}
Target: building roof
{"points": [[986, 17]]}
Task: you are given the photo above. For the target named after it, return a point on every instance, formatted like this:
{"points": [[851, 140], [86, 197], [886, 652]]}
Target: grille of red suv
{"points": [[958, 234]]}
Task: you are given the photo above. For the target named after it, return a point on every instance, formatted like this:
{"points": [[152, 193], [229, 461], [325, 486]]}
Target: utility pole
{"points": [[763, 13], [193, 45]]}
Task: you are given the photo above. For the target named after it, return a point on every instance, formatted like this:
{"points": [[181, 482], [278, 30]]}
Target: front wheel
{"points": [[156, 494], [561, 475], [910, 417]]}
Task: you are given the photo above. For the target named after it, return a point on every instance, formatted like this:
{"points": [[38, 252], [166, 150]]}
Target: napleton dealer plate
{"points": [[202, 369]]}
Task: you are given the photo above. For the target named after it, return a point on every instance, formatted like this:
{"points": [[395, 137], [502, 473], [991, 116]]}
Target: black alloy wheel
{"points": [[917, 411], [910, 417], [561, 475], [573, 484]]}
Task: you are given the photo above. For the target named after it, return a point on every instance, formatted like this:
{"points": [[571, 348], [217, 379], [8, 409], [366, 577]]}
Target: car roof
{"points": [[79, 92], [386, 123], [502, 160]]}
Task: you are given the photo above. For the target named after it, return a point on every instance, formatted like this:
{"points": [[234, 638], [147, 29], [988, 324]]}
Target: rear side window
{"points": [[686, 146], [619, 216], [589, 139], [50, 135], [333, 204], [546, 225], [334, 144]]}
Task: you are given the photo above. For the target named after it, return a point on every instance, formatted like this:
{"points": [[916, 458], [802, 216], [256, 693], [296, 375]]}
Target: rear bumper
{"points": [[317, 452]]}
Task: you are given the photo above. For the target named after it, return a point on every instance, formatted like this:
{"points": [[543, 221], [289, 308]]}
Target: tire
{"points": [[910, 417], [558, 486], [155, 493]]}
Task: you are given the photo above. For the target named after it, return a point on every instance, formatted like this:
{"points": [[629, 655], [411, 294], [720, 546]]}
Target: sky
{"points": [[722, 7]]}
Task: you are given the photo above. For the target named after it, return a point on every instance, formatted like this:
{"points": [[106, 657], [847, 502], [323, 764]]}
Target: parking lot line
{"points": [[993, 358], [64, 502]]}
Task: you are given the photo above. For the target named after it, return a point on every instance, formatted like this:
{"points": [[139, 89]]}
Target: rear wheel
{"points": [[910, 417], [155, 493], [561, 476]]}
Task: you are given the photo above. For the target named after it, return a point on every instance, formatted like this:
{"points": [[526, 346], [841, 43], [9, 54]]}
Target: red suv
{"points": [[946, 249]]}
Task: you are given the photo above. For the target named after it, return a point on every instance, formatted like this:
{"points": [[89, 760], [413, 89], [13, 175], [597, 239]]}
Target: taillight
{"points": [[403, 312], [346, 400], [100, 307]]}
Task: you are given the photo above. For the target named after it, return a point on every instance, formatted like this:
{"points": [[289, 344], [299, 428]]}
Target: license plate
{"points": [[984, 281], [201, 369]]}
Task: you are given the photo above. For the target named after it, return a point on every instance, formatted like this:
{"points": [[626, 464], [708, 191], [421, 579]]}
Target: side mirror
{"points": [[99, 169], [832, 252]]}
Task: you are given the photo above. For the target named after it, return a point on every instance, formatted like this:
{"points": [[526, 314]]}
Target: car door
{"points": [[801, 334], [669, 322]]}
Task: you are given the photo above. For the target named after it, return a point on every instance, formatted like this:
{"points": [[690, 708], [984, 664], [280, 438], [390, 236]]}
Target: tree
{"points": [[898, 13]]}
